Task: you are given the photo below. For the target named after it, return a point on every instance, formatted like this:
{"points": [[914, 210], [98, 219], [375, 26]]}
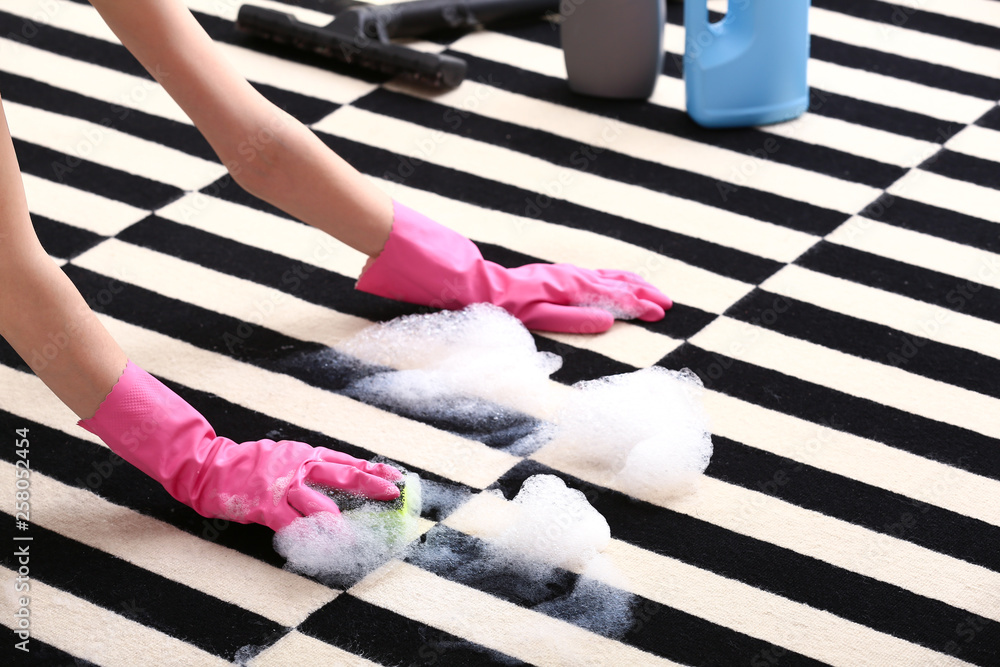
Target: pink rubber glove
{"points": [[155, 430], [428, 264]]}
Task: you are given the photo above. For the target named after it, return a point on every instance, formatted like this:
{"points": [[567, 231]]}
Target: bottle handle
{"points": [[695, 23]]}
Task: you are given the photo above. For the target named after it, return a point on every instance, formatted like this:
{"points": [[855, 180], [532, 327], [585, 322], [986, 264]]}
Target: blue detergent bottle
{"points": [[750, 67]]}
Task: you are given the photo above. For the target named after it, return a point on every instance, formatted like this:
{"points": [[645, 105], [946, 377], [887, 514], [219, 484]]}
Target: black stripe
{"points": [[909, 17], [40, 653], [883, 511], [822, 102], [881, 344], [965, 168], [951, 445], [328, 289], [62, 240], [940, 289], [228, 189], [604, 161], [84, 465], [489, 194], [881, 116], [138, 191], [116, 57], [71, 44], [990, 119], [762, 146], [185, 613], [655, 628], [179, 136], [363, 628], [321, 367], [940, 222], [906, 69], [858, 598], [746, 201]]}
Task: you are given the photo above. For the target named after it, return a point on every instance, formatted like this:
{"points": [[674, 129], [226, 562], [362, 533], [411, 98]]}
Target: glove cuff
{"points": [[157, 431], [426, 263]]}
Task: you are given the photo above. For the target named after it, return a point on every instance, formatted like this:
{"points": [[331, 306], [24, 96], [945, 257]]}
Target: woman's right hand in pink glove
{"points": [[426, 263], [262, 481]]}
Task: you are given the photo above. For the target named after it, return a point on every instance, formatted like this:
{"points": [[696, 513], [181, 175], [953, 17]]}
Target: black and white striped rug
{"points": [[837, 288]]}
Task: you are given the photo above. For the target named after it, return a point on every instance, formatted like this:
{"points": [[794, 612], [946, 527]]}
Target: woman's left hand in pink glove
{"points": [[262, 481]]}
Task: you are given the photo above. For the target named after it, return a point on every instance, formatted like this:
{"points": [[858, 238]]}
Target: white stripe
{"points": [[686, 217], [157, 547], [669, 92], [917, 318], [266, 231], [642, 143], [757, 613], [855, 139], [82, 19], [27, 396], [557, 243], [898, 93], [625, 342], [763, 517], [949, 193], [977, 141], [123, 90], [492, 622], [93, 633], [286, 398], [101, 144], [702, 593], [823, 446], [852, 375], [255, 304], [296, 648], [81, 209], [924, 250], [911, 44], [977, 11], [255, 66], [713, 293]]}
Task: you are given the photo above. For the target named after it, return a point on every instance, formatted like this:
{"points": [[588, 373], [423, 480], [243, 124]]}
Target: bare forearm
{"points": [[287, 165], [42, 315], [269, 153], [49, 325]]}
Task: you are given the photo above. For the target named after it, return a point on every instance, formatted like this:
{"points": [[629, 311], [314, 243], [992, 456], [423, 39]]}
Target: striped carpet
{"points": [[837, 288]]}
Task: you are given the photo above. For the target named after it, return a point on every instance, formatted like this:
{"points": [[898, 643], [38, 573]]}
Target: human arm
{"points": [[296, 172], [47, 322]]}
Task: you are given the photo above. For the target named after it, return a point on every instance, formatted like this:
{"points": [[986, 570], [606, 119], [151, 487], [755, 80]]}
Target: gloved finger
{"points": [[652, 312], [350, 479], [638, 286], [383, 470], [306, 501], [567, 319]]}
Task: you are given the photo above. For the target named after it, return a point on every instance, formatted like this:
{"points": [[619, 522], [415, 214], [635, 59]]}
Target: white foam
{"points": [[553, 525], [480, 351], [529, 544], [340, 549], [646, 431]]}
